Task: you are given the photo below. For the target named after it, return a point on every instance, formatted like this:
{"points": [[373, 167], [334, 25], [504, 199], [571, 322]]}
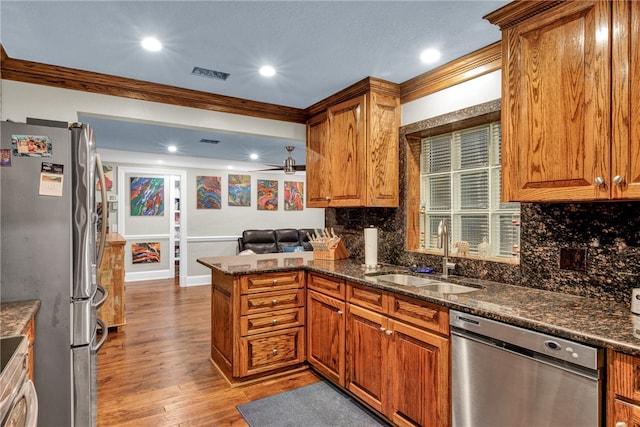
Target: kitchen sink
{"points": [[425, 283]]}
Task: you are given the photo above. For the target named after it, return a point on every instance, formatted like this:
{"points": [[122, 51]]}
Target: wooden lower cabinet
{"points": [[326, 335], [257, 323], [111, 278], [398, 369], [623, 390]]}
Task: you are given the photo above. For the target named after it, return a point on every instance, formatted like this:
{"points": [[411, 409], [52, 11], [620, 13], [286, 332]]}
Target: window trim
{"points": [[413, 134]]}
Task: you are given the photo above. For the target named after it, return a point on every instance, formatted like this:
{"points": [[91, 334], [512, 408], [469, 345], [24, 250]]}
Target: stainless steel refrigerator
{"points": [[48, 251]]}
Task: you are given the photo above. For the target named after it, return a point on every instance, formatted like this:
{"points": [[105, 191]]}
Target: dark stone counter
{"points": [[601, 323], [15, 316]]}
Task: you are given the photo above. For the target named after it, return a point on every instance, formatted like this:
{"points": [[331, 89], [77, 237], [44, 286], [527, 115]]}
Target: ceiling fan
{"points": [[289, 166]]}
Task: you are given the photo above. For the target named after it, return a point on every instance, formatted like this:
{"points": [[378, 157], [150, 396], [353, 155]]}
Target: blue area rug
{"points": [[315, 405]]}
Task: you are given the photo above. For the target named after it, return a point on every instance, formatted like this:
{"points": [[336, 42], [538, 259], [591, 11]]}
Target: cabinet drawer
{"points": [[625, 376], [271, 282], [271, 321], [420, 313], [269, 301], [364, 296], [265, 352], [326, 285]]}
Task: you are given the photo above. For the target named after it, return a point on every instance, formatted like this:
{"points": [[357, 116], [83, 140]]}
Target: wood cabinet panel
{"points": [[571, 100], [326, 335], [353, 148], [326, 285], [30, 332], [266, 352], [624, 415], [371, 298], [222, 327], [420, 313], [318, 166], [269, 301], [111, 278], [367, 356], [420, 382], [271, 321], [255, 283]]}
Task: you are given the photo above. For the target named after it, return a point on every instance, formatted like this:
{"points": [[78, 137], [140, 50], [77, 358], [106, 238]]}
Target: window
{"points": [[460, 183]]}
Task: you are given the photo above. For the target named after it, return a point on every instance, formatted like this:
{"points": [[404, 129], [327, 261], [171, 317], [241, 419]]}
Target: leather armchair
{"points": [[286, 237]]}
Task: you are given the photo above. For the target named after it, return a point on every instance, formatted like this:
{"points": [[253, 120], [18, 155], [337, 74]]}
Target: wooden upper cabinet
{"points": [[567, 126], [352, 148]]}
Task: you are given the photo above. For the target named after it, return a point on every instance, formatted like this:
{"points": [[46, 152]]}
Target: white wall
{"points": [[22, 100], [473, 92]]}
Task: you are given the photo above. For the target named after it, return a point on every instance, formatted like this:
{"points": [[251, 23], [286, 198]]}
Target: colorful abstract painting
{"points": [[293, 196], [267, 195], [147, 196], [239, 190], [208, 192], [145, 253]]}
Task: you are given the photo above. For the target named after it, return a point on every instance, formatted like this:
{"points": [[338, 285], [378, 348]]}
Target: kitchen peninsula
{"points": [[259, 325]]}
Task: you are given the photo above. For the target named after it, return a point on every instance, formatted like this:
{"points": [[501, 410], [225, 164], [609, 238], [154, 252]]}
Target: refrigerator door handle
{"points": [[103, 192], [105, 334], [105, 294]]}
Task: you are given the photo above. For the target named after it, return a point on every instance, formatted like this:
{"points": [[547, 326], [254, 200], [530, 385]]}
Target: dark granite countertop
{"points": [[591, 321], [15, 316]]}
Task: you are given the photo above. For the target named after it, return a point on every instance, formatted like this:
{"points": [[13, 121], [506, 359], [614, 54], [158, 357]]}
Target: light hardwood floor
{"points": [[158, 373]]}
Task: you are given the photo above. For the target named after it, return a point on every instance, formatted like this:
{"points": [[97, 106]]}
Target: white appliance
{"points": [[48, 228]]}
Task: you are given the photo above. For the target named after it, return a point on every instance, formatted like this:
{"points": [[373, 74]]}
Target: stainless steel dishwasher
{"points": [[506, 376]]}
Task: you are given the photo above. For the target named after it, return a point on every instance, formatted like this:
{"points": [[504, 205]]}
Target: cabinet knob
{"points": [[275, 321], [275, 281], [618, 179], [274, 351], [621, 424], [599, 180], [388, 332], [327, 198], [339, 312], [382, 329], [274, 302]]}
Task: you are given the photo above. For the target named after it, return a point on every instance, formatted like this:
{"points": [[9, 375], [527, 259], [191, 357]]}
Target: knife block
{"points": [[337, 252]]}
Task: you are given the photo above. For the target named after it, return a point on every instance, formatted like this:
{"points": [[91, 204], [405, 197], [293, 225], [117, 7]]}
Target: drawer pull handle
{"points": [[621, 424], [275, 281], [275, 351], [274, 302], [275, 321]]}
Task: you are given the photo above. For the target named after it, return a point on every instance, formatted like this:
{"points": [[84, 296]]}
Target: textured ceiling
{"points": [[317, 47]]}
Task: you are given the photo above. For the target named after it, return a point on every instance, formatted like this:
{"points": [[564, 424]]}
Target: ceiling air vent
{"points": [[212, 74], [209, 141]]}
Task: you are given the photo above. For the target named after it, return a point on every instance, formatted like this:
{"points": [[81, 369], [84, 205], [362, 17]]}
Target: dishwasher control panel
{"points": [[509, 335]]}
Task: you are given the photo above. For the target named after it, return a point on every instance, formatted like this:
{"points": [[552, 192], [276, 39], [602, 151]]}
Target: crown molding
{"points": [[475, 64], [105, 84]]}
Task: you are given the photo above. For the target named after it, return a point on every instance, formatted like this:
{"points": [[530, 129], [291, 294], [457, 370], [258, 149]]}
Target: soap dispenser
{"points": [[484, 248]]}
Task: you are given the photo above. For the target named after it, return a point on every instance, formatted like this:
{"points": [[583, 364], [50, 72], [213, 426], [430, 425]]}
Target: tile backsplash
{"points": [[609, 234]]}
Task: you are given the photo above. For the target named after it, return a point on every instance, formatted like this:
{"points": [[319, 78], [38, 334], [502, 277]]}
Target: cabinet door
{"points": [[625, 161], [556, 104], [325, 335], [624, 415], [318, 167], [367, 356], [348, 159], [419, 393], [382, 151]]}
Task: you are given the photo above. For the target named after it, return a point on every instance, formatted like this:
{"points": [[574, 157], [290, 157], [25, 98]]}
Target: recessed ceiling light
{"points": [[151, 44], [253, 156], [172, 148], [267, 71], [429, 56]]}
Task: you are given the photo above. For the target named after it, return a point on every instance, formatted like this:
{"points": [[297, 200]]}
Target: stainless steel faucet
{"points": [[443, 242]]}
